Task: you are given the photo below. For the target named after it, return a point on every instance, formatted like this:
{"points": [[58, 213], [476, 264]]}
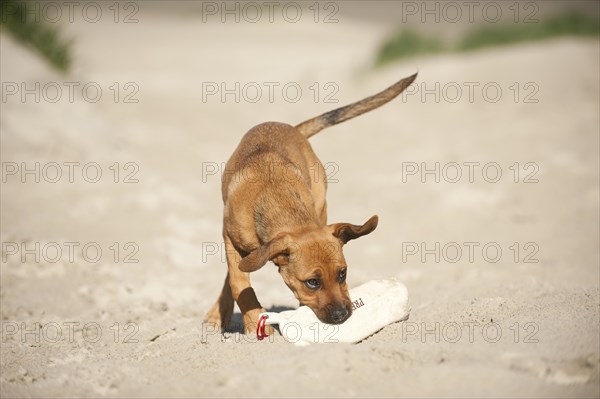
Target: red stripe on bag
{"points": [[260, 329]]}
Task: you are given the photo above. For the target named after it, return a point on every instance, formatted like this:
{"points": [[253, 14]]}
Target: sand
{"points": [[523, 322]]}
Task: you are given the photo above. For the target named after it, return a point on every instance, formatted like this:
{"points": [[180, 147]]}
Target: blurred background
{"points": [[116, 120]]}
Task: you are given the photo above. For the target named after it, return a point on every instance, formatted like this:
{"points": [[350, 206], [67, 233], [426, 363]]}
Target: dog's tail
{"points": [[313, 126]]}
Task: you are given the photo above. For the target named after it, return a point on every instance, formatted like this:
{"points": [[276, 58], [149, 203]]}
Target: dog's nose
{"points": [[339, 315]]}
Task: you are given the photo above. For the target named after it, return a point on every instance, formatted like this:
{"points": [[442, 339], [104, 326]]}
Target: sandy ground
{"points": [[127, 322]]}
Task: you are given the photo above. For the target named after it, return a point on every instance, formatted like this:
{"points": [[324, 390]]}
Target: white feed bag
{"points": [[376, 304]]}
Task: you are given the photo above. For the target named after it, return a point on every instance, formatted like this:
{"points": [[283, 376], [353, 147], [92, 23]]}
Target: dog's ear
{"points": [[276, 250], [346, 231]]}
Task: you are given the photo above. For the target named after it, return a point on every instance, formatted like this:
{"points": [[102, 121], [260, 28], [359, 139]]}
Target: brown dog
{"points": [[274, 193]]}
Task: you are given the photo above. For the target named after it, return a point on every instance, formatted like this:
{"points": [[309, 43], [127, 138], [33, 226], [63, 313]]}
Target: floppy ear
{"points": [[346, 231], [276, 248]]}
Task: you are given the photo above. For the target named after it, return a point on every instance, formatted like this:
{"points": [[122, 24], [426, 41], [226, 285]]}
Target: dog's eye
{"points": [[313, 284], [342, 276]]}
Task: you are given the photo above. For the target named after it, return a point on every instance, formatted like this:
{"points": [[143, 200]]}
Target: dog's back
{"points": [[264, 148]]}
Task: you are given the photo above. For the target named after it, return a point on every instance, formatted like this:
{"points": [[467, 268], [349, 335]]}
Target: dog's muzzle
{"points": [[338, 315]]}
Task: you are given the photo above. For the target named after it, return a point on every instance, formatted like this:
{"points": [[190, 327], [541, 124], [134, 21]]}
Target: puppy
{"points": [[273, 188]]}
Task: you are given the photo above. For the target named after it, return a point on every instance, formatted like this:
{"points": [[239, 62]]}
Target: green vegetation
{"points": [[408, 43], [573, 24], [42, 36]]}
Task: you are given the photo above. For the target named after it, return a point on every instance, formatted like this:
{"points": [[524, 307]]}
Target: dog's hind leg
{"points": [[220, 313]]}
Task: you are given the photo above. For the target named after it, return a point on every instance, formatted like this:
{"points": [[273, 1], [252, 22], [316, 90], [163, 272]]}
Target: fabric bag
{"points": [[375, 304]]}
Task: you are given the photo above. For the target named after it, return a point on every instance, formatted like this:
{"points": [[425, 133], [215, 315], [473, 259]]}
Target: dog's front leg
{"points": [[242, 292]]}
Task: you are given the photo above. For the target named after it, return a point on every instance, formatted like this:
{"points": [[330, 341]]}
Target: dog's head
{"points": [[312, 265]]}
